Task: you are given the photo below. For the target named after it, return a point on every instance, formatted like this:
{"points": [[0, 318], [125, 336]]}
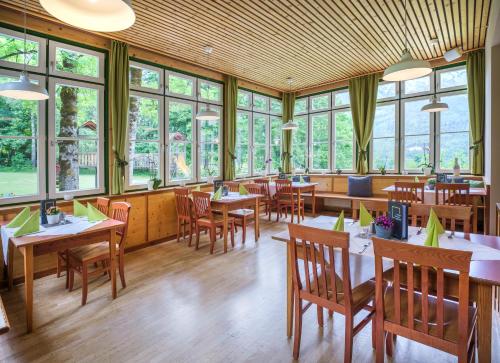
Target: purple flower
{"points": [[384, 222]]}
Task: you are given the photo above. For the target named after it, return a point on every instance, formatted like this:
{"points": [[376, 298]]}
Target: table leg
{"points": [[112, 254], [298, 205], [484, 316], [289, 293], [256, 223], [10, 265], [314, 202], [27, 252], [224, 226]]}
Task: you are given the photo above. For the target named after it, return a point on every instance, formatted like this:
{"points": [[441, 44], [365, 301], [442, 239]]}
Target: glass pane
{"points": [[344, 155], [299, 156], [241, 162], [300, 106], [343, 140], [416, 152], [415, 121], [244, 99], [77, 111], [209, 147], [453, 78], [259, 159], [299, 143], [144, 77], [209, 131], [76, 165], [210, 91], [422, 84], [386, 90], [77, 62], [383, 153], [320, 156], [276, 106], [276, 131], [18, 117], [456, 118], [180, 137], [180, 85], [275, 157], [342, 98], [320, 102], [320, 128], [260, 103], [384, 124], [259, 129], [343, 126], [181, 166], [12, 50], [18, 162], [454, 145], [145, 162], [144, 118], [242, 125]]}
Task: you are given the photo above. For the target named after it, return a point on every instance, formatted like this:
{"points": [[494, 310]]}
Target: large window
{"points": [[258, 134], [320, 145], [343, 140], [209, 145], [72, 159]]}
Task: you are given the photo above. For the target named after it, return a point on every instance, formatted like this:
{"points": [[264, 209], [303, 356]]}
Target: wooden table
{"points": [[32, 246], [484, 275], [430, 194], [235, 201], [299, 189]]}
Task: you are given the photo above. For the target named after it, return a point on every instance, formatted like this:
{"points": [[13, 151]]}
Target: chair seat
{"points": [[240, 213], [450, 332], [218, 220], [91, 252]]}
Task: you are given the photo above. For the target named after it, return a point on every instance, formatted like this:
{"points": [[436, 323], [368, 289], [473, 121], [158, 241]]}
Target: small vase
{"points": [[382, 232], [151, 184], [456, 168], [53, 218], [427, 171], [210, 179]]}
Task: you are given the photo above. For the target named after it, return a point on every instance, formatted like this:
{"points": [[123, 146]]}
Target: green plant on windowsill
{"points": [[154, 182], [382, 170]]}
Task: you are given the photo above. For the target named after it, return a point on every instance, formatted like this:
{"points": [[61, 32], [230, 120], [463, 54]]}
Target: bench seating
{"points": [[4, 322], [353, 201]]}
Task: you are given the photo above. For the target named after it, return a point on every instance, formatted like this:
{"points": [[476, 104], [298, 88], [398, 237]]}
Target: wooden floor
{"points": [[182, 305]]}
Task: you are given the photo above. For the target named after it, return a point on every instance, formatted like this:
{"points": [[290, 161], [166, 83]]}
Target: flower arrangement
{"points": [[52, 211], [385, 222]]}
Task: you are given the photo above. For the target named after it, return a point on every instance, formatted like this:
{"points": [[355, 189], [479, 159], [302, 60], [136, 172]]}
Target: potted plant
{"points": [[383, 226], [154, 182], [426, 166], [431, 183], [339, 171], [53, 215], [382, 170], [210, 174]]}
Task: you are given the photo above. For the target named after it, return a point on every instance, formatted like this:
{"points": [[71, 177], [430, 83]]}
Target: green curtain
{"points": [[476, 93], [363, 96], [288, 106], [119, 98], [230, 103]]}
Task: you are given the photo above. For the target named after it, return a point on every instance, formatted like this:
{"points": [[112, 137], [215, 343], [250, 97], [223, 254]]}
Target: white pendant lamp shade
{"points": [[207, 115], [435, 106], [407, 68], [96, 15], [290, 125], [23, 89]]}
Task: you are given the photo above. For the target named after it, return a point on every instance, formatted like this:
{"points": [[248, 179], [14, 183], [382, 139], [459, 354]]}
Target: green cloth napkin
{"points": [[94, 214], [31, 225], [243, 190], [79, 210], [20, 218], [365, 218], [339, 224], [434, 228], [417, 180], [218, 194], [197, 189], [301, 180]]}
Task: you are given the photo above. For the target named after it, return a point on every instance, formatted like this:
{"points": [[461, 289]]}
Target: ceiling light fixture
{"points": [[290, 125], [208, 114], [435, 106], [24, 89], [407, 68], [95, 15]]}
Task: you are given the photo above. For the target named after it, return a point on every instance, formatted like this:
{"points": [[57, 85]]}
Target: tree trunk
{"points": [[133, 115]]}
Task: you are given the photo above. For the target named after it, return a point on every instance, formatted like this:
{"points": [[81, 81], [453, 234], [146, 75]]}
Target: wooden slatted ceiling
{"points": [[313, 41]]}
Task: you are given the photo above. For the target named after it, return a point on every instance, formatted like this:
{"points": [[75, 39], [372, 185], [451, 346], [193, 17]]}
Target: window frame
{"points": [[53, 45], [310, 161], [307, 156], [438, 72], [158, 70], [280, 114], [250, 97], [52, 139], [161, 147], [270, 170], [268, 102], [418, 94], [42, 49], [333, 142], [249, 142], [169, 94], [199, 82], [266, 142], [306, 98], [372, 168], [219, 109], [41, 150], [396, 97], [310, 102], [334, 93]]}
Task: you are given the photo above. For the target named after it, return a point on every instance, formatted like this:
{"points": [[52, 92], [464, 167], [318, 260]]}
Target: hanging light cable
{"points": [[24, 89], [290, 125], [407, 68], [207, 114]]}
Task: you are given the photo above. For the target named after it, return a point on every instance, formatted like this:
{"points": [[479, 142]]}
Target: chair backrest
{"points": [[453, 194], [448, 214], [375, 207], [120, 211], [103, 205], [202, 206], [284, 189], [182, 202], [232, 186], [254, 188], [413, 258], [320, 248], [408, 192], [264, 183]]}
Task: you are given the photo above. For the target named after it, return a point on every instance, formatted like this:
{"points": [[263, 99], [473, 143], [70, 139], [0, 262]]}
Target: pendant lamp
{"points": [[208, 114], [435, 106], [290, 124]]}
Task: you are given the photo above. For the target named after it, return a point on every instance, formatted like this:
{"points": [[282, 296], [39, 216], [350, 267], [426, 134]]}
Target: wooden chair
{"points": [[268, 201], [375, 207], [408, 192], [421, 315], [286, 199], [81, 258], [205, 219], [323, 286], [448, 214], [453, 194], [102, 205], [254, 188], [184, 213], [233, 186]]}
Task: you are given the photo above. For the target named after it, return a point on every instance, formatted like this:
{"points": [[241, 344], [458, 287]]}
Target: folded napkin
{"points": [[31, 225], [365, 218], [79, 210], [434, 228], [339, 224], [197, 188], [20, 218], [94, 214], [243, 190], [416, 179], [218, 194], [301, 180]]}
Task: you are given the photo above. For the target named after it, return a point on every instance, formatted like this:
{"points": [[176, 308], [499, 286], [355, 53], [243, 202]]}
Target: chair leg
{"points": [[374, 333], [84, 283], [121, 266], [278, 211], [348, 339], [59, 265], [71, 280], [197, 231], [268, 210], [244, 228], [330, 314], [379, 349], [190, 233], [389, 344], [232, 234], [298, 328], [320, 315], [178, 229], [212, 239]]}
